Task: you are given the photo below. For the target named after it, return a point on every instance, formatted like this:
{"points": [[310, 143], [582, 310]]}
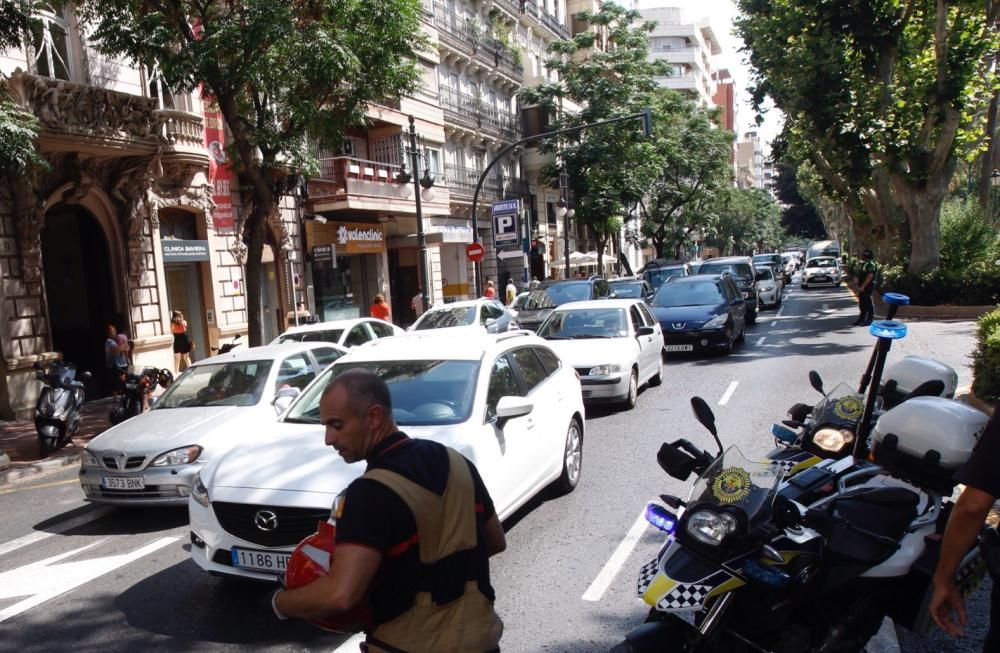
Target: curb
{"points": [[35, 468]]}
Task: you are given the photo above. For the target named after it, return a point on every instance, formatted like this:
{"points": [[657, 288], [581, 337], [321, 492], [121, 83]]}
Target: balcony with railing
{"points": [[462, 181], [473, 113], [510, 6], [183, 136], [342, 176], [464, 36], [554, 25]]}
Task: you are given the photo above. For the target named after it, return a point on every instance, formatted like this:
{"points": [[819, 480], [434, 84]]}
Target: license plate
{"points": [[123, 483], [679, 348], [265, 561]]}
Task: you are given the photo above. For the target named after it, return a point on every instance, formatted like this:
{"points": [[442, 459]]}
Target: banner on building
{"points": [[220, 175], [184, 251]]}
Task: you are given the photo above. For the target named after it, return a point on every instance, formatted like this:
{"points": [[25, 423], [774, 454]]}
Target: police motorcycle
{"points": [[829, 429], [57, 411], [139, 382], [758, 561]]}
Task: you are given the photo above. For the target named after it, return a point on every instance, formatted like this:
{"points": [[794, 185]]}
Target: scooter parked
{"points": [[57, 411], [229, 346]]}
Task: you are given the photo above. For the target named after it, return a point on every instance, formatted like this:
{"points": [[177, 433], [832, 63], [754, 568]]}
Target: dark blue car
{"points": [[700, 312]]}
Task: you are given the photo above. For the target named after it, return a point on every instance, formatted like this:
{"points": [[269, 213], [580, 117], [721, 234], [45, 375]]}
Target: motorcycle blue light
{"points": [[764, 574], [896, 298], [784, 434], [661, 518], [890, 329]]}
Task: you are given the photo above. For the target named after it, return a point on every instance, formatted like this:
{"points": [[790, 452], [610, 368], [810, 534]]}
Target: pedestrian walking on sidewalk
{"points": [[866, 287]]}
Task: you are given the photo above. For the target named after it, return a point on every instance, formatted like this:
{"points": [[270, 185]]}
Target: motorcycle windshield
{"points": [[842, 406], [734, 480]]}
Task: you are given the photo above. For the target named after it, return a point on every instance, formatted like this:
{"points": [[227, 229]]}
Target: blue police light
{"points": [[784, 434], [890, 329], [660, 517], [898, 299], [765, 574]]}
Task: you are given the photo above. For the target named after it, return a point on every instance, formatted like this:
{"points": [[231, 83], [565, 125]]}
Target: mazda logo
{"points": [[266, 521], [677, 325]]}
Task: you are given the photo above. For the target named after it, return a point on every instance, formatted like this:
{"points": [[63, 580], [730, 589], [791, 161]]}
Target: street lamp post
{"points": [[563, 211], [425, 183]]}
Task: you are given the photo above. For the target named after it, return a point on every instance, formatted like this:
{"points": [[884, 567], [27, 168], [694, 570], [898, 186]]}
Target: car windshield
{"points": [[585, 323], [519, 301], [657, 276], [568, 292], [702, 293], [822, 263], [741, 270], [442, 318], [325, 335], [628, 290], [537, 300], [238, 383], [764, 273], [424, 393]]}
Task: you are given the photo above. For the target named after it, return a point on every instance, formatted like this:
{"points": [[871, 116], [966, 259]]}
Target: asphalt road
{"points": [[95, 579]]}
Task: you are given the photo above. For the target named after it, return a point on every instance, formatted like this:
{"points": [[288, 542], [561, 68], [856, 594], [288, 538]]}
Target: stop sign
{"points": [[475, 252]]}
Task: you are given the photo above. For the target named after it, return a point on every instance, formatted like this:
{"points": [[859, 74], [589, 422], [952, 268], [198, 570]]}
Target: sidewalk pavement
{"points": [[18, 441]]}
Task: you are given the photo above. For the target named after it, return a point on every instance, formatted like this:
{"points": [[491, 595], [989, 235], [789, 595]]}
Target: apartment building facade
{"points": [[689, 48]]}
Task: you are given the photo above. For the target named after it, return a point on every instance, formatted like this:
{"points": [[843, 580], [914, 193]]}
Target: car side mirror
{"points": [[284, 398], [510, 407], [645, 331]]}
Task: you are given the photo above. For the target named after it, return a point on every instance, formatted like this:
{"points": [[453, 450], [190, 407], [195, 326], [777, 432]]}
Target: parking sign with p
{"points": [[505, 223]]}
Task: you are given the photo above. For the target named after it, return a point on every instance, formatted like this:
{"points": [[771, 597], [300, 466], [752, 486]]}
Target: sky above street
{"points": [[721, 14]]}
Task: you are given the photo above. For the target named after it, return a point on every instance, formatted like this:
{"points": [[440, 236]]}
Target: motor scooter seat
{"points": [[864, 525]]}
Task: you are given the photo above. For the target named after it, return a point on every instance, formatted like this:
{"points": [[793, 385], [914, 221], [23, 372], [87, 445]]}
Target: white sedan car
{"points": [[614, 344], [489, 314], [821, 271], [153, 458], [506, 402], [346, 333]]}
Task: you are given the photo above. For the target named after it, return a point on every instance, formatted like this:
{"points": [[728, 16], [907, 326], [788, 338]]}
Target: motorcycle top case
{"points": [[912, 371], [926, 439]]}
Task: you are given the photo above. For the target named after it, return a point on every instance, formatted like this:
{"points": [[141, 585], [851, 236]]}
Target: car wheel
{"points": [[743, 334], [727, 347], [752, 317], [658, 377], [777, 304], [572, 459], [633, 391]]}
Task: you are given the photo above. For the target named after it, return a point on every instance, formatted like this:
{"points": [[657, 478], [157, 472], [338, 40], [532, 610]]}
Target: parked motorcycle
{"points": [[229, 346], [57, 411], [756, 561], [138, 383]]}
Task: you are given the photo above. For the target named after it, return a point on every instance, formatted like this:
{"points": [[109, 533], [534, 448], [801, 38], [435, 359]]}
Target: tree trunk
{"points": [[922, 207]]}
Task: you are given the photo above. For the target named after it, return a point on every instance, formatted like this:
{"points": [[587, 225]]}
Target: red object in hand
{"points": [[311, 561]]}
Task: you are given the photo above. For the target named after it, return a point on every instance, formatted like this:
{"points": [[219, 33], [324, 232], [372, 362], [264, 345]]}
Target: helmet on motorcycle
{"points": [[310, 561]]}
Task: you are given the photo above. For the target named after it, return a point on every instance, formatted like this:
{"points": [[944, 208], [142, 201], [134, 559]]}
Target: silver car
{"points": [[219, 402]]}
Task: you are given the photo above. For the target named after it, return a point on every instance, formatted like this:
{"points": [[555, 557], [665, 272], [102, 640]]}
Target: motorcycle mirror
{"points": [[932, 388], [816, 381], [87, 375], [706, 418], [799, 412]]}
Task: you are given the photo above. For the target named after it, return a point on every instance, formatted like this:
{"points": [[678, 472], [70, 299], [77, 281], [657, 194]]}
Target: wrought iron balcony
{"points": [[466, 36], [462, 183], [345, 175], [472, 112], [554, 26]]}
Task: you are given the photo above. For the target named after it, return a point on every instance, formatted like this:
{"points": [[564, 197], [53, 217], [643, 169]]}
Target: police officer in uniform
{"points": [[866, 286], [979, 474], [414, 534]]}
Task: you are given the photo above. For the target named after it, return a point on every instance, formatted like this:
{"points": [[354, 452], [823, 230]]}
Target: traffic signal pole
{"points": [[647, 124]]}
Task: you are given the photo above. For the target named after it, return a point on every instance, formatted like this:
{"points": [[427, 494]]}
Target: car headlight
{"points": [[831, 439], [767, 288], [710, 527], [199, 492], [182, 456], [604, 370], [90, 459], [716, 322]]}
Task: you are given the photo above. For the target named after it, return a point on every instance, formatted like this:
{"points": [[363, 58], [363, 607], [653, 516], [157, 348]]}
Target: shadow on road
{"points": [[120, 521]]}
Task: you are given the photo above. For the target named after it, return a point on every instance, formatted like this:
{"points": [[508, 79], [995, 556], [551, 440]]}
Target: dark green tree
{"points": [[799, 216], [18, 128], [281, 73], [692, 157], [882, 98], [605, 72]]}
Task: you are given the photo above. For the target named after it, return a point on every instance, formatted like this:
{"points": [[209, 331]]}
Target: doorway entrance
{"points": [[184, 295], [79, 288]]}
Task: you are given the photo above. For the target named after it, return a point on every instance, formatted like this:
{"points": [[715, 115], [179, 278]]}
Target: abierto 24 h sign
{"points": [[506, 231]]}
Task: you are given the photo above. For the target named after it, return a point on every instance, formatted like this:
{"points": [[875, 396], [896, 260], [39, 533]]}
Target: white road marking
{"points": [[826, 307], [727, 395], [351, 644], [45, 579], [780, 311], [55, 529], [761, 341], [617, 559], [773, 322]]}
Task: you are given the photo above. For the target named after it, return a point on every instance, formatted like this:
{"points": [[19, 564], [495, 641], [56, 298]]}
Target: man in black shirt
{"points": [[979, 474], [414, 534]]}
